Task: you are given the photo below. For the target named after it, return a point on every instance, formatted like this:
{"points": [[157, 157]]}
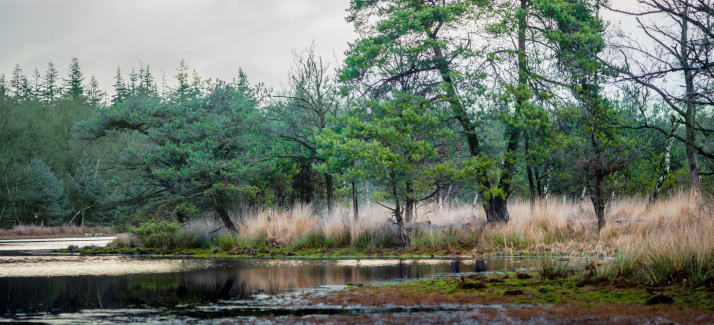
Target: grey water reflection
{"points": [[68, 284]]}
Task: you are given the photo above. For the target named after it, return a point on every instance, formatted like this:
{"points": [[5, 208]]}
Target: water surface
{"points": [[74, 283]]}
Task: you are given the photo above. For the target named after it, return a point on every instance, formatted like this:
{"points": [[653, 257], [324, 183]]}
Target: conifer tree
{"points": [[94, 94], [36, 84], [120, 91], [183, 88], [197, 83], [73, 85], [19, 84], [133, 79], [46, 194], [165, 90], [148, 84], [3, 86], [90, 191], [50, 90]]}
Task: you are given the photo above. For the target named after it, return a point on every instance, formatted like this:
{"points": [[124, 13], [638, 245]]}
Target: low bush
{"points": [[156, 234]]}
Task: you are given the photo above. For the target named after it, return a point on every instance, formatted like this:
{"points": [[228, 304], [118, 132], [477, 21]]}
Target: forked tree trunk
{"points": [[496, 209]]}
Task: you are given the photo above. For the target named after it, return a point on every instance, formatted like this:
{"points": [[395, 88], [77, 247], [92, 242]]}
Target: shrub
{"points": [[156, 234]]}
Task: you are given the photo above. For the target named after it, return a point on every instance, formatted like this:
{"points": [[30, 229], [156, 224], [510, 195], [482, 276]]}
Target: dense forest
{"points": [[445, 102]]}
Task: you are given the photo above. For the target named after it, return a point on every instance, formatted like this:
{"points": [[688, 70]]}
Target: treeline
{"points": [[437, 101]]}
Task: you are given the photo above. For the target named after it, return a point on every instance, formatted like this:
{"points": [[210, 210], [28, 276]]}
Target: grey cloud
{"points": [[214, 37]]}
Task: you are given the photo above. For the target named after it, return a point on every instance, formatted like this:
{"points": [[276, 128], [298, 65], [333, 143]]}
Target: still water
{"points": [[69, 284]]}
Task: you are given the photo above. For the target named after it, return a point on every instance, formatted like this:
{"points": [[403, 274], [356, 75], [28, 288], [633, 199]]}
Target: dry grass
{"points": [[61, 231], [558, 228], [671, 241]]}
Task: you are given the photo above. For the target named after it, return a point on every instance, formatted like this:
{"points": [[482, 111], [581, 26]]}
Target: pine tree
{"points": [[183, 88], [50, 91], [94, 94], [148, 83], [73, 85], [46, 194], [36, 85], [120, 91], [91, 192], [3, 86], [133, 79], [197, 83], [165, 90], [19, 84]]}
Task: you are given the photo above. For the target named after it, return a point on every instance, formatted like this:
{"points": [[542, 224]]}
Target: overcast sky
{"points": [[214, 37]]}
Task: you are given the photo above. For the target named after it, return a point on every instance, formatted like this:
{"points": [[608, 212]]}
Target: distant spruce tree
{"points": [[3, 86], [19, 84], [165, 90], [46, 195], [197, 83], [50, 89], [73, 87], [94, 94], [133, 80], [36, 85], [120, 90], [183, 89], [147, 83]]}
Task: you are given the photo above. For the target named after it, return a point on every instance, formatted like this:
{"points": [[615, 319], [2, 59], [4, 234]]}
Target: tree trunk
{"points": [[531, 188], [582, 197], [398, 216], [664, 168], [598, 199], [220, 206], [355, 201], [691, 118], [329, 190], [409, 205], [496, 209]]}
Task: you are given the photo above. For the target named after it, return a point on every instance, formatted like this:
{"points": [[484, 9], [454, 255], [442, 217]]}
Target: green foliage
{"points": [[156, 234], [198, 153], [46, 194]]}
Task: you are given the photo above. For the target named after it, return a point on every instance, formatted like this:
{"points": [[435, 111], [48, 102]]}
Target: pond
{"points": [[43, 286]]}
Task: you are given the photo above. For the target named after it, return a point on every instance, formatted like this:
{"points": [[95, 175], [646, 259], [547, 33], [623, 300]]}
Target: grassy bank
{"points": [[672, 240]]}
